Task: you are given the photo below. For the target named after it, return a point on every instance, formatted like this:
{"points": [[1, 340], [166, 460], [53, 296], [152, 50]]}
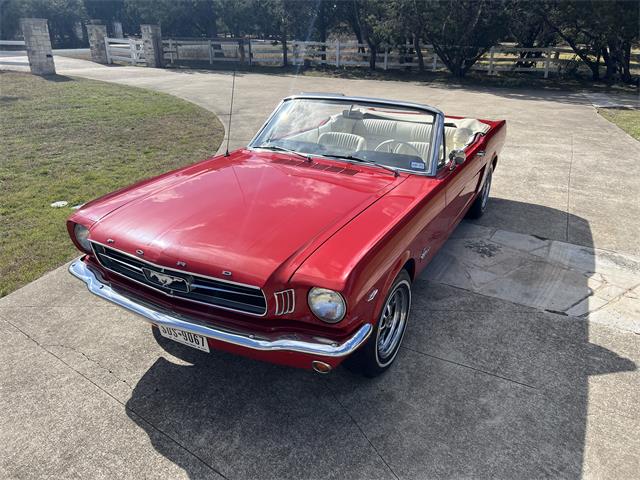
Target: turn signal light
{"points": [[321, 367]]}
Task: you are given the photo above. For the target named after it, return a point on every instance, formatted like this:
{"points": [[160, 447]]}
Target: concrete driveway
{"points": [[520, 360]]}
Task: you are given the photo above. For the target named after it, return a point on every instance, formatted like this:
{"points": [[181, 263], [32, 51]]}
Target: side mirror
{"points": [[457, 157]]}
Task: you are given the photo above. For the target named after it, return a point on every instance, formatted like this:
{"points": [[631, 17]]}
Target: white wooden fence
{"points": [[207, 50], [503, 58], [127, 50], [353, 54], [515, 59], [12, 43]]}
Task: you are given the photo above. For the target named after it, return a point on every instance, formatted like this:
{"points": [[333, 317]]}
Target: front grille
{"points": [[183, 285]]}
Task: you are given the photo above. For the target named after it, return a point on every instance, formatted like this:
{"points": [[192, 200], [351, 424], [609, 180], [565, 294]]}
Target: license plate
{"points": [[186, 338]]}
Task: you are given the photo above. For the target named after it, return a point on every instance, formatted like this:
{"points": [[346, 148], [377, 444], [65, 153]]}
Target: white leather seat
{"points": [[368, 133], [422, 147], [375, 131], [419, 133], [343, 141]]}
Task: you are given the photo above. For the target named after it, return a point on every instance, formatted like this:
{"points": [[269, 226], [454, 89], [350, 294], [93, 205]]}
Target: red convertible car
{"points": [[301, 248]]}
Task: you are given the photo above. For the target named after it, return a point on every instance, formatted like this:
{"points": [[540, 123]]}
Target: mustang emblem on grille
{"points": [[167, 281]]}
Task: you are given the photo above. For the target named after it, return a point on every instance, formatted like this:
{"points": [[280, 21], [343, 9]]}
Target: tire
{"points": [[479, 205], [378, 354]]}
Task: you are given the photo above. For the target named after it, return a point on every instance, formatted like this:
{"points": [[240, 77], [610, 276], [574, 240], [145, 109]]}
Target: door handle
{"points": [[480, 153]]}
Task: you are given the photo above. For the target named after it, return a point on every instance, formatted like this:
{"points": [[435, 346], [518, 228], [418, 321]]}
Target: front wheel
{"points": [[377, 355]]}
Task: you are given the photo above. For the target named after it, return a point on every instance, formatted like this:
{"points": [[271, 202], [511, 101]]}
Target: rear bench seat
{"points": [[376, 131], [368, 133]]}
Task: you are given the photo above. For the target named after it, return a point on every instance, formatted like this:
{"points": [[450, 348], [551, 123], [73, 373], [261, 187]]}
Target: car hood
{"points": [[249, 214]]}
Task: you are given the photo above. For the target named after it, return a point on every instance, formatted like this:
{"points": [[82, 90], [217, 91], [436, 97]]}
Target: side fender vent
{"points": [[285, 301]]}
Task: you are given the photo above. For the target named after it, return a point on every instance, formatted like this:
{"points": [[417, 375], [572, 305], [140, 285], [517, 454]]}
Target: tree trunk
{"points": [[595, 69], [322, 29], [452, 61], [354, 21], [610, 63], [467, 63], [241, 50], [285, 57], [416, 46], [593, 66], [584, 56], [373, 54], [626, 60], [455, 67]]}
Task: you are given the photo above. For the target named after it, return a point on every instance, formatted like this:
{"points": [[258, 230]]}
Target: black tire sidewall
{"points": [[486, 180], [400, 280], [366, 360]]}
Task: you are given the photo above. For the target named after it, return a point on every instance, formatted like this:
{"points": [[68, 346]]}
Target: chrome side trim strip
{"points": [[299, 343]]}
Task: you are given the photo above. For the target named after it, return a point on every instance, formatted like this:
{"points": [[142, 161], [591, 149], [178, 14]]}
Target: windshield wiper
{"points": [[278, 148], [362, 160]]}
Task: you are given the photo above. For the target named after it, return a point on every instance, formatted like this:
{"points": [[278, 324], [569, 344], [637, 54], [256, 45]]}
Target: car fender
{"points": [[387, 282]]}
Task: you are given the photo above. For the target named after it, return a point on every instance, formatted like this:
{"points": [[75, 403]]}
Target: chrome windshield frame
{"points": [[438, 122]]}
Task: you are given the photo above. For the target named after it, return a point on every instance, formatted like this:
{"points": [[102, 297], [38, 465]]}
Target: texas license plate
{"points": [[186, 338]]}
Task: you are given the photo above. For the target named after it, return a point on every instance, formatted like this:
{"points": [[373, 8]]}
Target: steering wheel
{"points": [[386, 146]]}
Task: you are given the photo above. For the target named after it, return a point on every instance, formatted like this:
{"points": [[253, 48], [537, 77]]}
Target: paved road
{"points": [[487, 384]]}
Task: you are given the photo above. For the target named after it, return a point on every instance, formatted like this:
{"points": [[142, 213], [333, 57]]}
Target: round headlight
{"points": [[82, 236], [327, 305]]}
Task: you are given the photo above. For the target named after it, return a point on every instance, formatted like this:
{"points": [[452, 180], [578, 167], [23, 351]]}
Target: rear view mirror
{"points": [[457, 157]]}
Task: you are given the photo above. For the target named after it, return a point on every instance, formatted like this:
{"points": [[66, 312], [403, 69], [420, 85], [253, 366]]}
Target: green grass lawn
{"points": [[73, 139], [628, 120]]}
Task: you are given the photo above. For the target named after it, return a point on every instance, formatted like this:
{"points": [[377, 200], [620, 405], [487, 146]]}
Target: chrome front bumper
{"points": [[305, 344]]}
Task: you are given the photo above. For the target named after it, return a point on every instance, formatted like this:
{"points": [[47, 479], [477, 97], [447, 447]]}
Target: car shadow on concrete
{"points": [[481, 388], [543, 222]]}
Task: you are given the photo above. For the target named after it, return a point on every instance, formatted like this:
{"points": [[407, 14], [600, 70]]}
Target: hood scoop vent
{"points": [[315, 166]]}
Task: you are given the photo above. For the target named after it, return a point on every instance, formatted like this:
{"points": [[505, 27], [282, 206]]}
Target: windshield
{"points": [[390, 136]]}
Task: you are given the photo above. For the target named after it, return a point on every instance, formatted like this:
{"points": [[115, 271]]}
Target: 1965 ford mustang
{"points": [[301, 248]]}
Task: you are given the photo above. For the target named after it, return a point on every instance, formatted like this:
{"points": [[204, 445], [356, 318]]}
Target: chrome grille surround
{"points": [[285, 301], [214, 292]]}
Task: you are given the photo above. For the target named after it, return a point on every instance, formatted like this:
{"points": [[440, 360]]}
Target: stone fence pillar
{"points": [[97, 34], [152, 45], [38, 43]]}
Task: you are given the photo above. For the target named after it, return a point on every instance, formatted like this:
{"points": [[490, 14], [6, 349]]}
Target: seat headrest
{"points": [[346, 141]]}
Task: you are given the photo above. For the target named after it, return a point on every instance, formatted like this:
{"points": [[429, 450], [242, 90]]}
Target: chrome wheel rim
{"points": [[486, 188], [392, 323]]}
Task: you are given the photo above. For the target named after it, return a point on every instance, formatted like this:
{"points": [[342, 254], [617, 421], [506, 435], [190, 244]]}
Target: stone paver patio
{"points": [[547, 274]]}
